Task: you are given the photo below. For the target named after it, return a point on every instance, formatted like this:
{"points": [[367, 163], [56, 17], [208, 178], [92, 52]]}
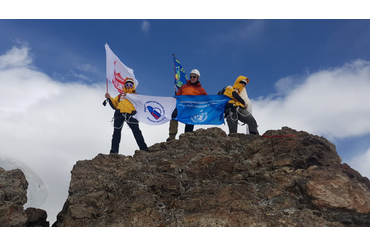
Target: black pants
{"points": [[233, 115], [189, 128], [119, 120]]}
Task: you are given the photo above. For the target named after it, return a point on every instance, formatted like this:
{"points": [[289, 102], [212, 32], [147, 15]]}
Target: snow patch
{"points": [[37, 191]]}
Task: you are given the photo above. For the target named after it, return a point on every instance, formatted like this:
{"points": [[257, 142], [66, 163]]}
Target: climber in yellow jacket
{"points": [[237, 108], [124, 110]]}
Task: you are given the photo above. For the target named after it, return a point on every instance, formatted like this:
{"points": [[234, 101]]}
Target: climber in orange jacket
{"points": [[192, 87]]}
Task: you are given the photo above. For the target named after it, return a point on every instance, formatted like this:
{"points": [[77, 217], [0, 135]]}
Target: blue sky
{"points": [[264, 50], [311, 75]]}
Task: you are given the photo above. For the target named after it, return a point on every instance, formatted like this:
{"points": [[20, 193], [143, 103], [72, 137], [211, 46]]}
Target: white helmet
{"points": [[195, 71]]}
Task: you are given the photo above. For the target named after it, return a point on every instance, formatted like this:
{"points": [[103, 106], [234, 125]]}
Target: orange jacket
{"points": [[191, 89]]}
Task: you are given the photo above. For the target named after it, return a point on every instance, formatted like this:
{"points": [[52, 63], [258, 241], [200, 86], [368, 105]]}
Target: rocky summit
{"points": [[206, 178]]}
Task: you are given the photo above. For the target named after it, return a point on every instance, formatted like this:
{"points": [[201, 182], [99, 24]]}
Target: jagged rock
{"points": [[206, 178], [13, 195], [37, 218]]}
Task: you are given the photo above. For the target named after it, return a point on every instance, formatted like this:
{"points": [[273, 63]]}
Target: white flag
{"points": [[244, 96], [152, 110], [116, 71]]}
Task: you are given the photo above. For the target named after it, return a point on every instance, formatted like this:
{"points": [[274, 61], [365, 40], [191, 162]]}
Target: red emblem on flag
{"points": [[118, 80]]}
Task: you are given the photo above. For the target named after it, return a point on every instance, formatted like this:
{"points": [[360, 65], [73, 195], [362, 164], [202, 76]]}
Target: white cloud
{"points": [[332, 102], [15, 58], [86, 67], [145, 26], [362, 163], [50, 125], [21, 87], [286, 85], [80, 76]]}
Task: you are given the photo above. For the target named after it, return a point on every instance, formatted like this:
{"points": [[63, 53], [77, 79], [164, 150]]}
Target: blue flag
{"points": [[180, 75], [201, 109]]}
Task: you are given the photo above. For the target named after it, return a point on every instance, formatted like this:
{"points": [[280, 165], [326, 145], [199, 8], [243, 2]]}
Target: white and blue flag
{"points": [[191, 109], [201, 109], [152, 110]]}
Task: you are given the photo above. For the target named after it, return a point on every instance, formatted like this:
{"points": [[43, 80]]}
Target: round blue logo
{"points": [[155, 111]]}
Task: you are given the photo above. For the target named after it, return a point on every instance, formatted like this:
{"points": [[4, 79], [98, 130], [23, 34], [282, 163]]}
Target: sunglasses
{"points": [[193, 76], [128, 85]]}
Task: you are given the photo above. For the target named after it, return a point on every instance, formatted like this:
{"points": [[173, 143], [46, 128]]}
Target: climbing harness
{"points": [[231, 113], [127, 118], [237, 109]]}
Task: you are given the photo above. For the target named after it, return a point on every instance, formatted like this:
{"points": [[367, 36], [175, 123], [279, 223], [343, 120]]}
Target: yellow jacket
{"points": [[237, 87], [121, 103]]}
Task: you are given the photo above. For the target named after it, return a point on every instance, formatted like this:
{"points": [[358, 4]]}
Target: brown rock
{"points": [[13, 195], [36, 218], [206, 178]]}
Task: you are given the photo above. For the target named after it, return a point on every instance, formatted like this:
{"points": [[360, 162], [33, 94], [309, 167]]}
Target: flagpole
{"points": [[107, 84], [174, 70]]}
